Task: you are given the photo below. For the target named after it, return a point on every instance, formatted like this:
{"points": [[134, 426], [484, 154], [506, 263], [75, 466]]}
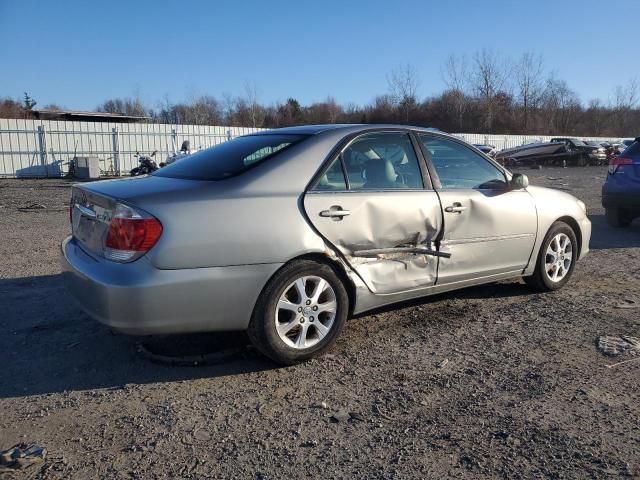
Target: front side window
{"points": [[460, 167], [229, 158]]}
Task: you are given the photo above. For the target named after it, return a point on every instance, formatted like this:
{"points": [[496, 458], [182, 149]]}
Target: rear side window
{"points": [[230, 158], [375, 161]]}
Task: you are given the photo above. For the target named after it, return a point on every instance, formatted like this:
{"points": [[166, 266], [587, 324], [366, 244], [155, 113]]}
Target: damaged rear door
{"points": [[371, 204]]}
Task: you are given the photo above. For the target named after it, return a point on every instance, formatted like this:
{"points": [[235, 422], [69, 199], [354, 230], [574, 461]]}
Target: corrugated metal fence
{"points": [[44, 148]]}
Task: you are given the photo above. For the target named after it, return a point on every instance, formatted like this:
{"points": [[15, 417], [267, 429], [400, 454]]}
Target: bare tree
{"points": [[204, 110], [126, 106], [561, 106], [456, 77], [626, 97], [228, 107], [256, 112], [528, 72], [596, 117], [333, 109], [403, 87], [625, 100], [488, 79], [12, 109]]}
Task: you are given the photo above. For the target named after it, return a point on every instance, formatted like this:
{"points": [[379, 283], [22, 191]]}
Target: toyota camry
{"points": [[286, 233]]}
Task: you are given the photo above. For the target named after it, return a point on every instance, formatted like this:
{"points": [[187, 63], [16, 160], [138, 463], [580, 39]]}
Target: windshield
{"points": [[230, 158]]}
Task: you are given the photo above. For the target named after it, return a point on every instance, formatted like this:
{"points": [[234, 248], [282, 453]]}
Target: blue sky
{"points": [[79, 53]]}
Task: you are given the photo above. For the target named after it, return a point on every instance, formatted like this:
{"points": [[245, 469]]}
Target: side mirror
{"points": [[519, 181]]}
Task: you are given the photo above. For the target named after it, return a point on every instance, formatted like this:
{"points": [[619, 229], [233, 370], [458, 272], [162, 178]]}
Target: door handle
{"points": [[335, 212], [455, 208]]}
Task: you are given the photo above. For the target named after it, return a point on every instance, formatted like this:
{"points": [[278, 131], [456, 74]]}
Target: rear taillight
{"points": [[131, 234], [616, 162]]}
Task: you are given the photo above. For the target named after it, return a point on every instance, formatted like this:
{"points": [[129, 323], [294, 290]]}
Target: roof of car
{"points": [[315, 129]]}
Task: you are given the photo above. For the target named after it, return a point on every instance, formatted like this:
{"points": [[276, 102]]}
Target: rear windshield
{"points": [[230, 158]]}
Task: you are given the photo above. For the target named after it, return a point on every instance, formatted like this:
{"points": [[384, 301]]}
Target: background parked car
{"points": [[486, 149], [600, 154], [578, 153], [621, 189], [619, 147]]}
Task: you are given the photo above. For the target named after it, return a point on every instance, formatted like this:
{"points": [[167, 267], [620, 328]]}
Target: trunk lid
{"points": [[90, 218], [93, 204]]}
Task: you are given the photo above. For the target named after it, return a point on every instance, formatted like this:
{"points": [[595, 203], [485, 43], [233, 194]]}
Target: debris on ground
{"points": [[614, 346], [628, 303], [34, 206], [39, 207], [340, 416], [193, 350], [21, 456]]}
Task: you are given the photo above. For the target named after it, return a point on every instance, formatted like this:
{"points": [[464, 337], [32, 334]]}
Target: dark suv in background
{"points": [[579, 153], [621, 189]]}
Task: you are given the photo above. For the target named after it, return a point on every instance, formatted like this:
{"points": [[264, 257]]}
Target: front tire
{"points": [[556, 259], [300, 313]]}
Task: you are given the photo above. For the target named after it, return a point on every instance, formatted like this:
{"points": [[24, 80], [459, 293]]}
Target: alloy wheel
{"points": [[558, 257], [305, 312]]}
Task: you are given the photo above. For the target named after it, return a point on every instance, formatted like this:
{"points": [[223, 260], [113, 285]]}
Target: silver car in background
{"points": [[287, 232]]}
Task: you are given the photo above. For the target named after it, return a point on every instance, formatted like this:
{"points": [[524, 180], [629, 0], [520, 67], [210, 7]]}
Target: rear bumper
{"points": [[138, 299], [621, 200]]}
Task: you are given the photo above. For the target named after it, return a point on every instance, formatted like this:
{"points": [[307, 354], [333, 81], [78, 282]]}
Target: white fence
{"points": [[44, 148]]}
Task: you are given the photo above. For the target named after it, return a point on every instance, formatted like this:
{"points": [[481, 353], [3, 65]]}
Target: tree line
{"points": [[484, 93]]}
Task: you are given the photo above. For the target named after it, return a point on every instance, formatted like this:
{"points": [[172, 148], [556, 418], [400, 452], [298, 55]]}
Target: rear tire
{"points": [[617, 218], [556, 259], [300, 313]]}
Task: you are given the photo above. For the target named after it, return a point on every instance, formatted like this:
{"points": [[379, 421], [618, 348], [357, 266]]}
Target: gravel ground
{"points": [[488, 382]]}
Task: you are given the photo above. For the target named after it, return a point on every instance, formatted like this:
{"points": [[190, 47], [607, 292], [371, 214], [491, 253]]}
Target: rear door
{"points": [[488, 228], [374, 203]]}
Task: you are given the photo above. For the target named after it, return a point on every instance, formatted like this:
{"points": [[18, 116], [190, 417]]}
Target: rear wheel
{"points": [[556, 259], [300, 313], [616, 217]]}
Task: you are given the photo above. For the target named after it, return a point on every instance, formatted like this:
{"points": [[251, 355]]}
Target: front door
{"points": [[488, 228], [372, 206]]}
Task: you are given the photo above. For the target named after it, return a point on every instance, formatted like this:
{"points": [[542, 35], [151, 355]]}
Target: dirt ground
{"points": [[488, 382]]}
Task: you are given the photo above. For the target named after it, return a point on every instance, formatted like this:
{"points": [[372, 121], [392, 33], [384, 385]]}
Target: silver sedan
{"points": [[287, 232]]}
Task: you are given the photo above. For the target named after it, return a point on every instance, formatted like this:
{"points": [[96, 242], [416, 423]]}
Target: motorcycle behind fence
{"points": [[146, 164]]}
